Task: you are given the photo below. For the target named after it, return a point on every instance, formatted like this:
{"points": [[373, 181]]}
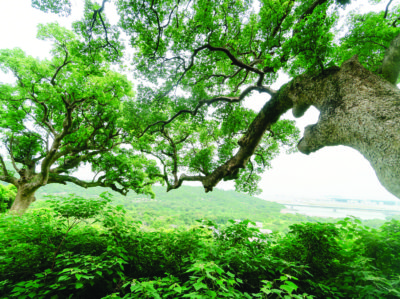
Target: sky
{"points": [[332, 172]]}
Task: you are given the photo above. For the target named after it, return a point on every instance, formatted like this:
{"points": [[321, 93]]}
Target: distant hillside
{"points": [[184, 206], [186, 203]]}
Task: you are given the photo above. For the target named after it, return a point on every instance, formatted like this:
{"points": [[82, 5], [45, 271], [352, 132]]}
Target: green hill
{"points": [[184, 206]]}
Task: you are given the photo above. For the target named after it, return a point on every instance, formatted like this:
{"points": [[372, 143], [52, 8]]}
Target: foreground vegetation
{"points": [[87, 248]]}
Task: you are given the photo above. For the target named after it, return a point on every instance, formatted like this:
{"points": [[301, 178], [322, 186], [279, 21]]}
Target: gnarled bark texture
{"points": [[357, 109], [23, 200]]}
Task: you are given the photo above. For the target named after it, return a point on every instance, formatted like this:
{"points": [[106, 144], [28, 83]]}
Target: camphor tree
{"points": [[62, 113], [199, 59]]}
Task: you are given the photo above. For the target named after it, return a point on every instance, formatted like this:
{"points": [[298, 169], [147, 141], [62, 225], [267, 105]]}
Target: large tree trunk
{"points": [[23, 200], [357, 109]]}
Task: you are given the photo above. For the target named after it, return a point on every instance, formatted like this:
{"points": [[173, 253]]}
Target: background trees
{"points": [[62, 113]]}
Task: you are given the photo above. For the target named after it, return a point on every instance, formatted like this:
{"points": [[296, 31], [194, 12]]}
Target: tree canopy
{"points": [[199, 60], [62, 113], [195, 62]]}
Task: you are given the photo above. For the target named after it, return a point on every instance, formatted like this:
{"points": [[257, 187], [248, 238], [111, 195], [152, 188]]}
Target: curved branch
{"points": [[165, 173], [159, 29], [230, 100], [94, 19], [387, 9], [63, 179], [51, 155], [106, 33], [269, 114], [174, 155], [184, 177], [234, 60], [3, 166], [232, 57], [60, 67], [6, 177], [186, 69], [45, 119], [10, 149]]}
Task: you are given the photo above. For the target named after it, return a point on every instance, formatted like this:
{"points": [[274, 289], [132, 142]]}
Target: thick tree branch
{"points": [[390, 68], [269, 114], [233, 59], [96, 13], [63, 179], [184, 177], [6, 177], [387, 9], [10, 151], [357, 109], [3, 166], [174, 155], [165, 173], [51, 155]]}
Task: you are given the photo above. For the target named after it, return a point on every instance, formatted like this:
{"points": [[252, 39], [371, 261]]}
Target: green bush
{"points": [[86, 248]]}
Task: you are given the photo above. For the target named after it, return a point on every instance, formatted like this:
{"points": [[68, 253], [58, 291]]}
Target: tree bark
{"points": [[23, 200], [357, 109]]}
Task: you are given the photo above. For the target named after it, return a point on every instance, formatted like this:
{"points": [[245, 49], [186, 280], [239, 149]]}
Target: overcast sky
{"points": [[330, 172]]}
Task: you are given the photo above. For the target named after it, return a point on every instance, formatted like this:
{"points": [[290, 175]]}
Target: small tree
{"points": [[62, 113]]}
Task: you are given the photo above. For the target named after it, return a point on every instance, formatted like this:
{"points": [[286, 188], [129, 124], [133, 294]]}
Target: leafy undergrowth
{"points": [[86, 248]]}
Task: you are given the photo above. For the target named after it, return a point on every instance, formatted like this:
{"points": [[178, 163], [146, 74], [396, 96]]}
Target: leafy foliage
{"points": [[7, 195], [64, 112], [104, 254], [62, 7], [195, 62]]}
